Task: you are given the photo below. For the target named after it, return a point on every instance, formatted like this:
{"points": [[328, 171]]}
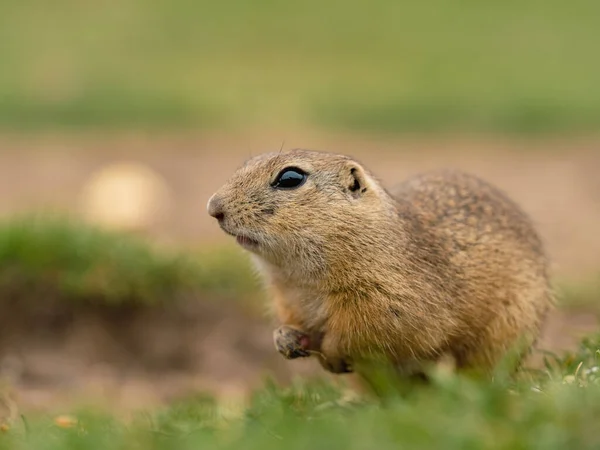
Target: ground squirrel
{"points": [[444, 264]]}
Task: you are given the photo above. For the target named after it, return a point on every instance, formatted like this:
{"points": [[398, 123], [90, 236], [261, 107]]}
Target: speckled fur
{"points": [[444, 264]]}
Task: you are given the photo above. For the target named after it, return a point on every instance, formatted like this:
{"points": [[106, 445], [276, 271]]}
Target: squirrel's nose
{"points": [[215, 208]]}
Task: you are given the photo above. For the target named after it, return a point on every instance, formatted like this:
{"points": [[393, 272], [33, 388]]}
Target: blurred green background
{"points": [[118, 120], [383, 66]]}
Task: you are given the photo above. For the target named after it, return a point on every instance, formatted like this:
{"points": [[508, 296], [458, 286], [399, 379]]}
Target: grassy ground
{"points": [[525, 66], [554, 409], [87, 264]]}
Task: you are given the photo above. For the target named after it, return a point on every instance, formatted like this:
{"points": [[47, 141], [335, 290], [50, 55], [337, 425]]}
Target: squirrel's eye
{"points": [[289, 178]]}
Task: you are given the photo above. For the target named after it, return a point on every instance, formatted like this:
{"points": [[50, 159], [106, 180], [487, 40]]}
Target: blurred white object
{"points": [[126, 196]]}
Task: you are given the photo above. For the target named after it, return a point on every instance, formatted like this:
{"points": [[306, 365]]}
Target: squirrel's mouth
{"points": [[244, 241]]}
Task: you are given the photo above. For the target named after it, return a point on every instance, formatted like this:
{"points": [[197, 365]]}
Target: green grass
{"points": [[82, 263], [555, 409], [383, 66]]}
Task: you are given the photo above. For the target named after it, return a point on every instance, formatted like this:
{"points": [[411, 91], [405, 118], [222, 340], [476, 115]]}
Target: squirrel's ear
{"points": [[355, 180]]}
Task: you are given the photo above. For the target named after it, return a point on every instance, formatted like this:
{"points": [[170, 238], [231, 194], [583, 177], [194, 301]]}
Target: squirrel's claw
{"points": [[291, 343]]}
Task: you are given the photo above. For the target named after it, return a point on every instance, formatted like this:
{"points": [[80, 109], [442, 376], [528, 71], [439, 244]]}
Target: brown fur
{"points": [[444, 264]]}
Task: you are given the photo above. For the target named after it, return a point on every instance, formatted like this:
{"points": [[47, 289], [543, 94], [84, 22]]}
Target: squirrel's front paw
{"points": [[291, 342]]}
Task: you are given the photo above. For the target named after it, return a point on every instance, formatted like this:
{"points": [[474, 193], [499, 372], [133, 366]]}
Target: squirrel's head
{"points": [[294, 208]]}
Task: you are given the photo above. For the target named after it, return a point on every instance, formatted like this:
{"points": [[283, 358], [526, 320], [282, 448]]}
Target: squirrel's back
{"points": [[494, 249], [469, 211]]}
